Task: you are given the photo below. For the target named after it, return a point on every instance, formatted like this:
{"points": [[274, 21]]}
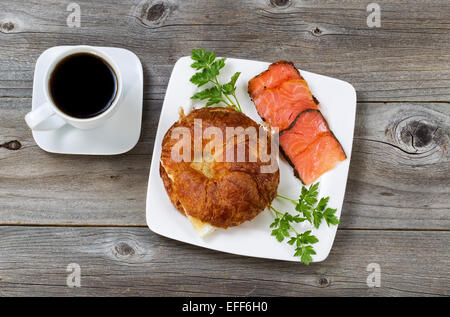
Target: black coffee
{"points": [[83, 85]]}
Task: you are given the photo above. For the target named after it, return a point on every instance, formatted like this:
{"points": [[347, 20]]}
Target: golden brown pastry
{"points": [[211, 190]]}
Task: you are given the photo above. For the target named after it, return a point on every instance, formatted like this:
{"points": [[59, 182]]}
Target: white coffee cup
{"points": [[48, 116]]}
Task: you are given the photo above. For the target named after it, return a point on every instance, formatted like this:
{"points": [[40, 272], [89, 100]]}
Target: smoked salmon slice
{"points": [[282, 98], [277, 74], [280, 94], [310, 146], [280, 106]]}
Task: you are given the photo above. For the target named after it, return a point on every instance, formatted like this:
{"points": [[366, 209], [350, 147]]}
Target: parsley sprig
{"points": [[209, 67], [310, 209]]}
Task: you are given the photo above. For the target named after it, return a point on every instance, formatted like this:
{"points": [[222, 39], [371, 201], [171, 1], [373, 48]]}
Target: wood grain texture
{"points": [[91, 210], [43, 188], [399, 173], [134, 261], [406, 59], [400, 167]]}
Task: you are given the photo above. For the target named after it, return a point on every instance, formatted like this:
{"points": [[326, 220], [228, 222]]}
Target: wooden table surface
{"points": [[90, 210]]}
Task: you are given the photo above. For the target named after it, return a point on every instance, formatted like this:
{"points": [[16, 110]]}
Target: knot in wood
{"points": [[280, 3], [7, 26], [418, 134], [317, 31], [12, 145], [124, 249], [152, 13], [155, 12], [324, 282]]}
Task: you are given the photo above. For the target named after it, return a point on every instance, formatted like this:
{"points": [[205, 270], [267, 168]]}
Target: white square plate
{"points": [[338, 105]]}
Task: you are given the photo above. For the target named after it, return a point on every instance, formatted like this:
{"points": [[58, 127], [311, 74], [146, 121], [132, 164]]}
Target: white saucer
{"points": [[119, 134]]}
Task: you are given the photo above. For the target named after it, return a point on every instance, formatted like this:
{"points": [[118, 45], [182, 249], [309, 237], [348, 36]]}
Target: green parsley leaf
{"points": [[306, 253], [217, 66], [209, 67], [310, 209], [292, 241], [317, 218], [278, 234], [214, 95], [230, 87], [275, 223], [203, 56], [201, 78], [308, 215], [282, 229], [307, 238], [310, 195], [322, 203], [330, 217], [298, 219], [198, 65], [205, 94]]}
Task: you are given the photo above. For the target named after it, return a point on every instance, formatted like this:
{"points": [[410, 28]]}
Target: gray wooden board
{"points": [[406, 59], [134, 261], [91, 210]]}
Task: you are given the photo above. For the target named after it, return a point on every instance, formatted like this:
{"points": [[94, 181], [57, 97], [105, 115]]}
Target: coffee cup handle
{"points": [[44, 118]]}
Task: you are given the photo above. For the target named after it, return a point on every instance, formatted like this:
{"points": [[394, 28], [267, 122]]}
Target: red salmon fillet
{"points": [[310, 146], [273, 77], [280, 94], [280, 106]]}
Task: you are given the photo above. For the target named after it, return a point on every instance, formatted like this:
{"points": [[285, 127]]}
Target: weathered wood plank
{"points": [[40, 187], [399, 173], [406, 59], [134, 261], [400, 167]]}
